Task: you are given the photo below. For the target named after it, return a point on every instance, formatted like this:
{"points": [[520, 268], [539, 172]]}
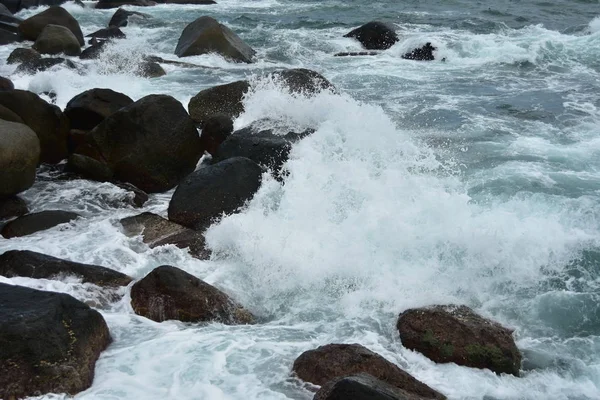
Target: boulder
{"points": [[149, 69], [56, 39], [93, 52], [8, 115], [301, 80], [40, 221], [264, 147], [6, 84], [43, 64], [4, 10], [333, 361], [112, 32], [213, 190], [206, 35], [46, 120], [19, 157], [424, 53], [152, 144], [22, 55], [362, 387], [86, 110], [105, 4], [214, 131], [121, 17], [8, 37], [457, 334], [29, 264], [49, 342], [12, 207], [375, 35], [158, 231], [90, 166], [169, 293], [219, 100], [32, 27]]}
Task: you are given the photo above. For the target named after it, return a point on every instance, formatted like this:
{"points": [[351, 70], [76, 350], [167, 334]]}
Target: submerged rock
{"points": [[12, 207], [169, 293], [152, 144], [375, 35], [207, 35], [42, 64], [121, 17], [86, 110], [149, 69], [19, 157], [49, 342], [139, 196], [363, 387], [56, 39], [32, 27], [219, 100], [333, 361], [209, 192], [424, 53], [457, 334], [158, 231], [34, 265], [40, 221], [112, 32]]}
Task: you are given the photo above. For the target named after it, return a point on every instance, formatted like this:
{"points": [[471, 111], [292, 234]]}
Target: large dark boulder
{"points": [[8, 115], [112, 32], [374, 35], [207, 35], [40, 221], [32, 27], [88, 109], [214, 131], [219, 100], [6, 84], [121, 17], [19, 157], [333, 361], [49, 342], [424, 53], [22, 55], [4, 10], [363, 387], [152, 143], [158, 231], [170, 293], [457, 334], [302, 80], [29, 264], [8, 37], [56, 39], [46, 120], [105, 4], [42, 64], [213, 190], [263, 146], [12, 207]]}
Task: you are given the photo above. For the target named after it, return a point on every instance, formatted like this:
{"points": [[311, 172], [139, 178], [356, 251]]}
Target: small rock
{"points": [[214, 131], [93, 52], [169, 293], [457, 334], [112, 32], [19, 157], [49, 342], [43, 64], [12, 207], [149, 69], [158, 231], [22, 55], [333, 361], [121, 17], [6, 84], [40, 221], [88, 109], [56, 39], [375, 35], [213, 190], [207, 35], [363, 387], [424, 53], [139, 196], [32, 27], [29, 264], [305, 81], [219, 100]]}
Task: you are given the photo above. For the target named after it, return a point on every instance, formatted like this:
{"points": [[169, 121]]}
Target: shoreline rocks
{"points": [[32, 27], [40, 221], [374, 35], [218, 100], [362, 387]]}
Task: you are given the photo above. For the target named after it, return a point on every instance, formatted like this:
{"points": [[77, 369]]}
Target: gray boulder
{"points": [[19, 157], [56, 39], [22, 55], [32, 27]]}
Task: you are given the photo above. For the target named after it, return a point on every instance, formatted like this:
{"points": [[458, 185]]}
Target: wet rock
{"points": [[12, 207], [93, 52], [6, 84], [363, 387], [375, 35], [19, 157], [424, 53], [457, 334], [105, 4], [333, 361], [139, 196], [29, 264], [121, 17], [88, 109], [49, 342], [43, 64], [56, 39], [158, 231], [207, 35], [40, 221], [4, 10], [301, 80], [356, 53], [32, 27], [23, 55], [170, 293], [148, 69], [112, 32], [263, 146], [197, 2], [46, 120], [152, 144], [8, 115], [219, 100], [8, 37], [213, 190], [214, 131]]}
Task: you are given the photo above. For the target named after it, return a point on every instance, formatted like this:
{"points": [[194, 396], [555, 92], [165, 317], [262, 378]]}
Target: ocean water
{"points": [[473, 181]]}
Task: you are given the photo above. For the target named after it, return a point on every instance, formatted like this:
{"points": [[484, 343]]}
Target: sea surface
{"points": [[471, 181]]}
